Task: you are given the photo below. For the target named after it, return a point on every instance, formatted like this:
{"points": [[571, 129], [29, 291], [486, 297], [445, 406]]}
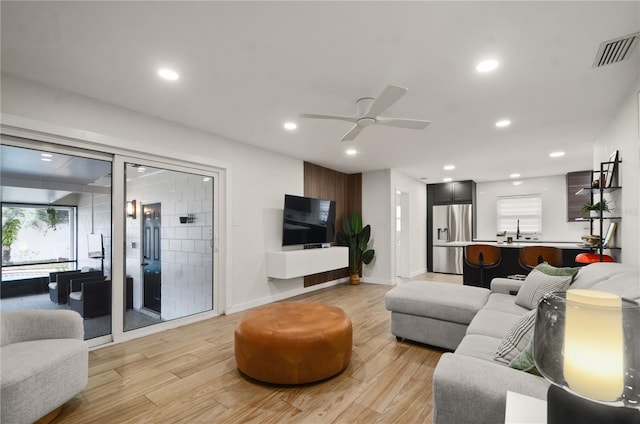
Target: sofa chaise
{"points": [[484, 328]]}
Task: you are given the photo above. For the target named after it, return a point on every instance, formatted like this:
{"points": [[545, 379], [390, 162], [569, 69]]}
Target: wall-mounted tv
{"points": [[308, 221]]}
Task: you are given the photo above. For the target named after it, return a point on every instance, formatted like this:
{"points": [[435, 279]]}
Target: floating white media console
{"points": [[297, 263]]}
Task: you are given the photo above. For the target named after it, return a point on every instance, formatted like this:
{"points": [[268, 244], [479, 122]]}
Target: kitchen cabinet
{"points": [[454, 192], [575, 182]]}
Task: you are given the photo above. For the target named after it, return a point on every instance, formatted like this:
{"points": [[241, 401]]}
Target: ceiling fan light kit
{"points": [[368, 110]]}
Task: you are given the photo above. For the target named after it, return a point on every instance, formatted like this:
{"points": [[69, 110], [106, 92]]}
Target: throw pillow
{"points": [[524, 361], [537, 284], [517, 338], [558, 271]]}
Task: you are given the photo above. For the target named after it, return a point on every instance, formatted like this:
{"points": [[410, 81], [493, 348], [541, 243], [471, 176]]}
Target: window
{"points": [[37, 239], [525, 210]]}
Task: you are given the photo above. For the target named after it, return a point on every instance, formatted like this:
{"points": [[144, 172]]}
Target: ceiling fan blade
{"points": [[319, 116], [414, 124], [389, 96], [353, 133]]}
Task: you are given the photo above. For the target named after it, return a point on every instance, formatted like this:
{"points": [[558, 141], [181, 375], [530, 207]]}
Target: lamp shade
{"points": [[593, 346], [588, 343]]}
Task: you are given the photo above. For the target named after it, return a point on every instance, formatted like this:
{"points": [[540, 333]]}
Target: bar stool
{"points": [[589, 258], [482, 256], [531, 256]]}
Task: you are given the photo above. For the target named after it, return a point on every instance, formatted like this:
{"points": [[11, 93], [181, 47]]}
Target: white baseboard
{"points": [[376, 281], [419, 272], [281, 296]]}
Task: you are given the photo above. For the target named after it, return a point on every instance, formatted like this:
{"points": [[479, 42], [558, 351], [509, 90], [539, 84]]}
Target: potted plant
{"points": [[356, 237], [9, 234], [594, 208]]}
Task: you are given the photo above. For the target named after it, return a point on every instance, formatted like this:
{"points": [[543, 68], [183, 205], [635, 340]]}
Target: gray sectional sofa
{"points": [[469, 384], [44, 362]]}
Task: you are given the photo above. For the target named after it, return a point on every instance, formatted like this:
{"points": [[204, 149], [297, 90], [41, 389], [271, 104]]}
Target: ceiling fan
{"points": [[368, 111]]}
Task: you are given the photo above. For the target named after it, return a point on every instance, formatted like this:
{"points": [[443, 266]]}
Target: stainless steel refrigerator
{"points": [[452, 228]]}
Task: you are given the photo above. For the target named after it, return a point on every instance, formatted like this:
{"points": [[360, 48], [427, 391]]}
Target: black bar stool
{"points": [[482, 256]]}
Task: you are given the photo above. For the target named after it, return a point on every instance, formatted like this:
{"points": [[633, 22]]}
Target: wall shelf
{"points": [[590, 190], [287, 264], [605, 167]]}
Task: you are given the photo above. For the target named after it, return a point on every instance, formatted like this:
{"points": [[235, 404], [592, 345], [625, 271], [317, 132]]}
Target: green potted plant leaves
{"points": [[594, 208], [356, 238]]}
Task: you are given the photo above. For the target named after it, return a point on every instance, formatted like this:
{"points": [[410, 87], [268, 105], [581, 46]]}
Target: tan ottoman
{"points": [[293, 342]]}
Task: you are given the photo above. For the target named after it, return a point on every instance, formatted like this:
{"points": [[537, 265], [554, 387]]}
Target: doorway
{"points": [[151, 264]]}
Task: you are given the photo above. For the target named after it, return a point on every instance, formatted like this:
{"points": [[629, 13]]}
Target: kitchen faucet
{"points": [[518, 230]]}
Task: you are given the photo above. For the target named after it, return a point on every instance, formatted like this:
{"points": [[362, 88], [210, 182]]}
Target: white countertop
{"points": [[519, 243]]}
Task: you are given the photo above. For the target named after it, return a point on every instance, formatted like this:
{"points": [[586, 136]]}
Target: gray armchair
{"points": [[44, 362]]}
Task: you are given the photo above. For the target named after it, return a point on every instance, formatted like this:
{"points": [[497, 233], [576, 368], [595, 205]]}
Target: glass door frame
{"points": [[35, 144], [119, 254]]}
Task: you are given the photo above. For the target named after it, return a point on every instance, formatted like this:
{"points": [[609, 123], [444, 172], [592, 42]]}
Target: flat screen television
{"points": [[308, 221]]}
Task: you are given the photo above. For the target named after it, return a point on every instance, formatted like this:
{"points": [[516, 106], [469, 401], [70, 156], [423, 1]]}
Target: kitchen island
{"points": [[510, 264]]}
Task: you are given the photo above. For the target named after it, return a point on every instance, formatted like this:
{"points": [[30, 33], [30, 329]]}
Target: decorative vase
{"points": [[354, 279]]}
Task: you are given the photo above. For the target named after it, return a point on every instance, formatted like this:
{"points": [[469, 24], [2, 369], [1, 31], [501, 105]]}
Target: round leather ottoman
{"points": [[293, 342]]}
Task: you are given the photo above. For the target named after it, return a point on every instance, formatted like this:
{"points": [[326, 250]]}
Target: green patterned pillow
{"points": [[558, 272], [524, 361]]}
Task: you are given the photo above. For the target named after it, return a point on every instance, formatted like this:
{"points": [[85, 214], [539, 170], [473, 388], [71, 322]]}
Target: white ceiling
{"points": [[247, 67]]}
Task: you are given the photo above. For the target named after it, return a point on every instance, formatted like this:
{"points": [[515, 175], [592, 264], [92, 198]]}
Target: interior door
{"points": [[151, 265]]}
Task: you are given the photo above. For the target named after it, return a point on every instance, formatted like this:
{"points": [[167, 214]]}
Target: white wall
{"points": [[623, 134], [378, 209], [555, 226], [258, 178], [417, 221]]}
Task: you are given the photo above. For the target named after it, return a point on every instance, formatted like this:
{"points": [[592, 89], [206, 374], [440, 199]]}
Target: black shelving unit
{"points": [[600, 191]]}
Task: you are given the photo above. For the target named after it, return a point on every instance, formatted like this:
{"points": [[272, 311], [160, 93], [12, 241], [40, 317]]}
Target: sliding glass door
{"points": [[169, 243], [56, 231], [128, 243]]}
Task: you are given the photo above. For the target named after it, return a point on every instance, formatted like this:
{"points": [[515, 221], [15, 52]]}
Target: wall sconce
{"points": [[131, 209], [586, 344]]}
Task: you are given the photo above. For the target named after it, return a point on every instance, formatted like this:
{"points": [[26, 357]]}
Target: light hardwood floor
{"points": [[189, 375]]}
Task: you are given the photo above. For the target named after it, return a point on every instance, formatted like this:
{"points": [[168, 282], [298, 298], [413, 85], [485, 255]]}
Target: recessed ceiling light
{"points": [[45, 159], [290, 126], [351, 152], [449, 167], [168, 74], [517, 183], [487, 65], [46, 155], [556, 154], [447, 179], [141, 169], [503, 123], [514, 175]]}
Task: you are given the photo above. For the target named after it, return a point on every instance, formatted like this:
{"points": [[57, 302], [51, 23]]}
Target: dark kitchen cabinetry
{"points": [[575, 202], [453, 193]]}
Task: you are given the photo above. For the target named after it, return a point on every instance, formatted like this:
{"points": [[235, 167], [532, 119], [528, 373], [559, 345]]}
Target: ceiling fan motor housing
{"points": [[362, 107]]}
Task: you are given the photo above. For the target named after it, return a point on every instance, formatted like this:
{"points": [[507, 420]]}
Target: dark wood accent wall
{"points": [[346, 190]]}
